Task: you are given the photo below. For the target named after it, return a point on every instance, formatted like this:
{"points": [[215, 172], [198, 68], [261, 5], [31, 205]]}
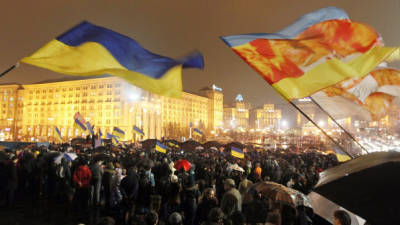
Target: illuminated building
{"points": [[34, 110], [215, 106], [10, 112], [237, 114], [266, 117]]}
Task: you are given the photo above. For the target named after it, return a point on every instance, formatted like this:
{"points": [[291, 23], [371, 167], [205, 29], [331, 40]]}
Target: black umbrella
{"points": [[101, 157], [236, 145], [78, 141], [190, 145], [367, 186], [149, 143], [210, 144]]}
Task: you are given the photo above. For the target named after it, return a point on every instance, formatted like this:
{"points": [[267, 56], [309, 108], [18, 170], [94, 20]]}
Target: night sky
{"points": [[174, 28]]}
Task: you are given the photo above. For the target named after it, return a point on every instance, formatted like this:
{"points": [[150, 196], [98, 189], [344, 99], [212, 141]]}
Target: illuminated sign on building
{"points": [[239, 98], [215, 88]]}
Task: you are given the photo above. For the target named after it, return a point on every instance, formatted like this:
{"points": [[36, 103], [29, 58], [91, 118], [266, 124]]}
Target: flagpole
{"points": [[315, 124], [9, 69], [341, 127]]}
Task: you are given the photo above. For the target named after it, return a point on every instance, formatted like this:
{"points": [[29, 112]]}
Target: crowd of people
{"points": [[135, 185]]}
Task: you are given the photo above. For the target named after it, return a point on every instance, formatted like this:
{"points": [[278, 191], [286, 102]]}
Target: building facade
{"points": [[267, 117], [237, 115], [31, 112]]}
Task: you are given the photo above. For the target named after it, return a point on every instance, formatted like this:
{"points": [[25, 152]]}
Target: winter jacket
{"points": [[82, 176]]}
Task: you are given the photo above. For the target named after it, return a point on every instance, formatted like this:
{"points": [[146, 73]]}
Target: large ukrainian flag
{"points": [[319, 50], [87, 49]]}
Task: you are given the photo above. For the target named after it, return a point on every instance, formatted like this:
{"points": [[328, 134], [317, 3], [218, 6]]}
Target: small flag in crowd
{"points": [[114, 139], [79, 122], [118, 132], [90, 50], [100, 134], [90, 128], [161, 148], [197, 132], [235, 152], [341, 156], [138, 130], [58, 134]]}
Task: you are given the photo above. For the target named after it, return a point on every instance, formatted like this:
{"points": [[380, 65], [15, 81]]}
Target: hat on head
{"points": [[175, 218], [230, 182]]}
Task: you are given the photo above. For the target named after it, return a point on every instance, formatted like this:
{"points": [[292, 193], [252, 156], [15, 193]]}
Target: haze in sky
{"points": [[174, 28]]}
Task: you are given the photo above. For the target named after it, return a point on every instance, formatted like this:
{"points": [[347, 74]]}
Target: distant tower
{"points": [[215, 106]]}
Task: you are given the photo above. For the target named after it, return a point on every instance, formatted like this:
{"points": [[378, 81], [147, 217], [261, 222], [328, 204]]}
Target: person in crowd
{"points": [[215, 217], [231, 193], [107, 181], [11, 180], [208, 201], [341, 217], [244, 184], [95, 187], [273, 219], [175, 219], [191, 195], [82, 178], [129, 190], [151, 218]]}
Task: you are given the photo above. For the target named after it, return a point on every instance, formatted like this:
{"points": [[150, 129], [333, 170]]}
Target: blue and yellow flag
{"points": [[161, 148], [79, 122], [118, 132], [79, 125], [341, 156], [58, 134], [114, 139], [138, 130], [197, 132], [235, 152], [99, 133], [90, 128], [90, 50]]}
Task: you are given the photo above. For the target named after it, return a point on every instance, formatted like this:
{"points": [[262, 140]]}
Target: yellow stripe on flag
{"points": [[91, 59], [237, 154], [323, 75]]}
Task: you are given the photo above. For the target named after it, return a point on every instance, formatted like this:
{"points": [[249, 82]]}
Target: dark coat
{"points": [[203, 209], [11, 177], [130, 185]]}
